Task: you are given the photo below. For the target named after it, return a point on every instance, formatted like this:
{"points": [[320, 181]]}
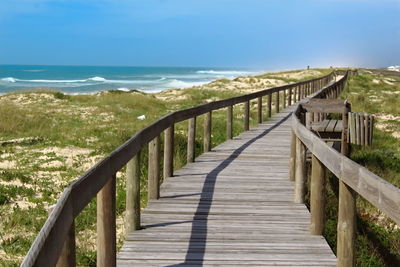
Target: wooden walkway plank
{"points": [[232, 207]]}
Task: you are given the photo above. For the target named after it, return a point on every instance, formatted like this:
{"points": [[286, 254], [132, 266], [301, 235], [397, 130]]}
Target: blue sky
{"points": [[272, 34]]}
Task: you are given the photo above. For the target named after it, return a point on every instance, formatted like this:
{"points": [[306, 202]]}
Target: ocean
{"points": [[91, 79]]}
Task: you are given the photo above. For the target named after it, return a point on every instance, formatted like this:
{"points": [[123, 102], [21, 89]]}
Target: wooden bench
{"points": [[328, 130]]}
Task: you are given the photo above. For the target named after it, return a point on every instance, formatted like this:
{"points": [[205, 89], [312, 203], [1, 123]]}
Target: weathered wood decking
{"points": [[232, 207]]}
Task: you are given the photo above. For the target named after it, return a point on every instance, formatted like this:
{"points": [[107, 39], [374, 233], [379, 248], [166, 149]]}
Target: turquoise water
{"points": [[88, 79]]}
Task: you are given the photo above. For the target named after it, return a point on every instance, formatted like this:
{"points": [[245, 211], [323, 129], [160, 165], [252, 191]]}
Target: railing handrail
{"points": [[353, 178], [48, 243], [376, 190]]}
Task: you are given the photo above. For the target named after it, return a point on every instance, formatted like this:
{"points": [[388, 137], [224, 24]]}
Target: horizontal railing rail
{"points": [[56, 240], [353, 179]]}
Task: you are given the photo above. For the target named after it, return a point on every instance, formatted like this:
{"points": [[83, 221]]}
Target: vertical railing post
{"points": [[362, 130], [259, 110], [207, 132], [106, 230], [191, 139], [292, 162], [246, 118], [132, 212], [371, 128], [229, 122], [290, 96], [300, 173], [317, 196], [269, 105], [298, 89], [366, 130], [154, 169], [346, 226], [277, 102], [347, 210], [284, 98], [168, 170]]}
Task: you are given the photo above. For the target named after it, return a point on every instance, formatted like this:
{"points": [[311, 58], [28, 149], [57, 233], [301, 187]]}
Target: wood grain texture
{"points": [[269, 105], [259, 110], [132, 211], [229, 123], [68, 256], [233, 206], [154, 169], [168, 170], [106, 225], [317, 196], [48, 244], [246, 117], [207, 132], [191, 139]]}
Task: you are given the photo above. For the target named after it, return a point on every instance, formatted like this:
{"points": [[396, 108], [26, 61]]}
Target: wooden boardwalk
{"points": [[232, 207]]}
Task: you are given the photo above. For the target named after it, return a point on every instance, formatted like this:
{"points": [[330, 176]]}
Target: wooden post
{"points": [[366, 129], [362, 134], [317, 197], [292, 162], [346, 226], [269, 105], [67, 257], [284, 98], [290, 96], [358, 131], [346, 218], [191, 139], [132, 212], [371, 129], [229, 123], [300, 173], [351, 128], [106, 230], [154, 169], [259, 110], [169, 152], [246, 115], [207, 132], [277, 102], [301, 91], [309, 116], [344, 144], [298, 92]]}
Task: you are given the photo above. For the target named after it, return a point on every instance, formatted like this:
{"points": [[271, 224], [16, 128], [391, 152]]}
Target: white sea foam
{"points": [[123, 89], [97, 79], [53, 81], [9, 80], [181, 84]]}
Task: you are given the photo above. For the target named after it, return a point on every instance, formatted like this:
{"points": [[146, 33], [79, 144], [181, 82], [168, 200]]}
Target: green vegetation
{"points": [[378, 238], [48, 139]]}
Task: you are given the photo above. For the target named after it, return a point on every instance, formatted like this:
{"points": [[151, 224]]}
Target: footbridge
{"points": [[240, 203]]}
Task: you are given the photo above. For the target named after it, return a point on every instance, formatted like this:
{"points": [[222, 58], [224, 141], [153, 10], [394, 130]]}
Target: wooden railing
{"points": [[361, 126], [55, 243], [353, 179]]}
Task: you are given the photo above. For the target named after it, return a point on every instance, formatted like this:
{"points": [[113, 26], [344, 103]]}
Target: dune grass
{"points": [[378, 238], [48, 139]]}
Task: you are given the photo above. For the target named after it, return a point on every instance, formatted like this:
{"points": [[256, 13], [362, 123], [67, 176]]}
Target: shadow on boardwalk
{"points": [[198, 239]]}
